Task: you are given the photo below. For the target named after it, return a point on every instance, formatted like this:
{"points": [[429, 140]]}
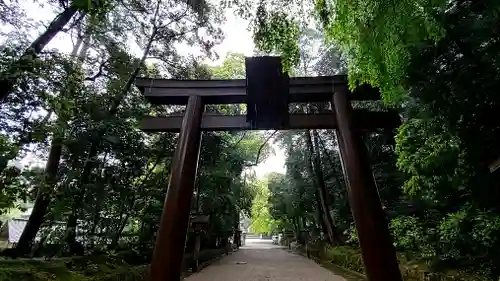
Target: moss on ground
{"points": [[121, 266], [78, 269]]}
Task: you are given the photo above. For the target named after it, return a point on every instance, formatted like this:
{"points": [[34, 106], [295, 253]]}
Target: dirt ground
{"points": [[259, 260]]}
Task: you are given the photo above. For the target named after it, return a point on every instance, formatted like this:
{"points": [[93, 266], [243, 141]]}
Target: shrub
{"points": [[344, 256], [415, 270]]}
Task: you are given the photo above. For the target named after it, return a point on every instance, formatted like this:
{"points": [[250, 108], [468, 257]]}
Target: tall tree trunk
{"points": [[43, 198], [10, 76], [319, 210], [296, 228], [319, 170], [323, 192], [94, 149], [336, 174], [314, 166], [121, 227]]}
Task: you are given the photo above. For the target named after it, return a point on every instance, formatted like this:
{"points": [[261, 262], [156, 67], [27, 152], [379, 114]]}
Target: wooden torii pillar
{"points": [[377, 250]]}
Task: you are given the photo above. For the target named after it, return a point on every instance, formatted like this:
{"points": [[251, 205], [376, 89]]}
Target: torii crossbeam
{"points": [[267, 91]]}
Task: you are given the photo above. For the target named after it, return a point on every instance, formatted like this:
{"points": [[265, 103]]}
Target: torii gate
{"points": [[267, 91]]}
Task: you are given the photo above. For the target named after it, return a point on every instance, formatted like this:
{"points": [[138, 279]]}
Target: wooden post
{"points": [[379, 255], [171, 237]]}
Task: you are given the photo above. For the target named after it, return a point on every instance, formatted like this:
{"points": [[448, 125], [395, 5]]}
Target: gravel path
{"points": [[259, 260]]}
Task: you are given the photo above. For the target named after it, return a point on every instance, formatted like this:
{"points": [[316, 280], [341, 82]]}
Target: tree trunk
{"points": [[314, 167], [95, 221], [320, 208], [319, 172], [10, 76], [297, 229], [323, 192], [42, 200], [336, 176], [321, 218], [119, 231]]}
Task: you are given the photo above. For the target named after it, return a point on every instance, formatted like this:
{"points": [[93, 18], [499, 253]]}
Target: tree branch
{"points": [[74, 23], [260, 149], [99, 73], [238, 142]]}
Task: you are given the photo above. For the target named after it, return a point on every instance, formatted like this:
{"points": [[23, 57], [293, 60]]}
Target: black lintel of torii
{"points": [[233, 91], [267, 91]]}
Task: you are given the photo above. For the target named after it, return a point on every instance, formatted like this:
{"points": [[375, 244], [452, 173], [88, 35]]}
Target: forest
{"points": [[97, 192]]}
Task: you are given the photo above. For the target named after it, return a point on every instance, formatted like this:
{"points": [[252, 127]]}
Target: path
{"points": [[262, 261]]}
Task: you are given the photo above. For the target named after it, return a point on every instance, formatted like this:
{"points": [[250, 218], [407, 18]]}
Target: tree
{"points": [[262, 222], [10, 77], [439, 148], [55, 151], [316, 171], [67, 171], [233, 67]]}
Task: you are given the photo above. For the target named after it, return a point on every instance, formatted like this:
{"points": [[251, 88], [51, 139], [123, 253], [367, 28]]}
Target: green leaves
{"points": [[93, 7], [448, 138], [15, 187], [233, 67], [378, 37], [430, 156], [277, 32], [262, 221]]}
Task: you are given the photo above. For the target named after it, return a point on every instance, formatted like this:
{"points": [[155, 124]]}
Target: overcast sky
{"points": [[237, 39]]}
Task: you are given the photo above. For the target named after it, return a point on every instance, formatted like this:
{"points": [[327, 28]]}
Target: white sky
{"points": [[237, 39]]}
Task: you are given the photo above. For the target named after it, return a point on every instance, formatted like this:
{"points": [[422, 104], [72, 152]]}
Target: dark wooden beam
{"points": [[302, 89], [377, 250], [144, 82], [366, 119], [171, 236]]}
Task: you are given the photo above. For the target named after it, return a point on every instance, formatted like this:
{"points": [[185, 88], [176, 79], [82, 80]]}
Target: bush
{"points": [[412, 270], [344, 256], [137, 273]]}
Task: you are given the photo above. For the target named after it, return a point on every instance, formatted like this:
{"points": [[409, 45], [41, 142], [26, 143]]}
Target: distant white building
{"points": [[12, 229], [244, 223]]}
